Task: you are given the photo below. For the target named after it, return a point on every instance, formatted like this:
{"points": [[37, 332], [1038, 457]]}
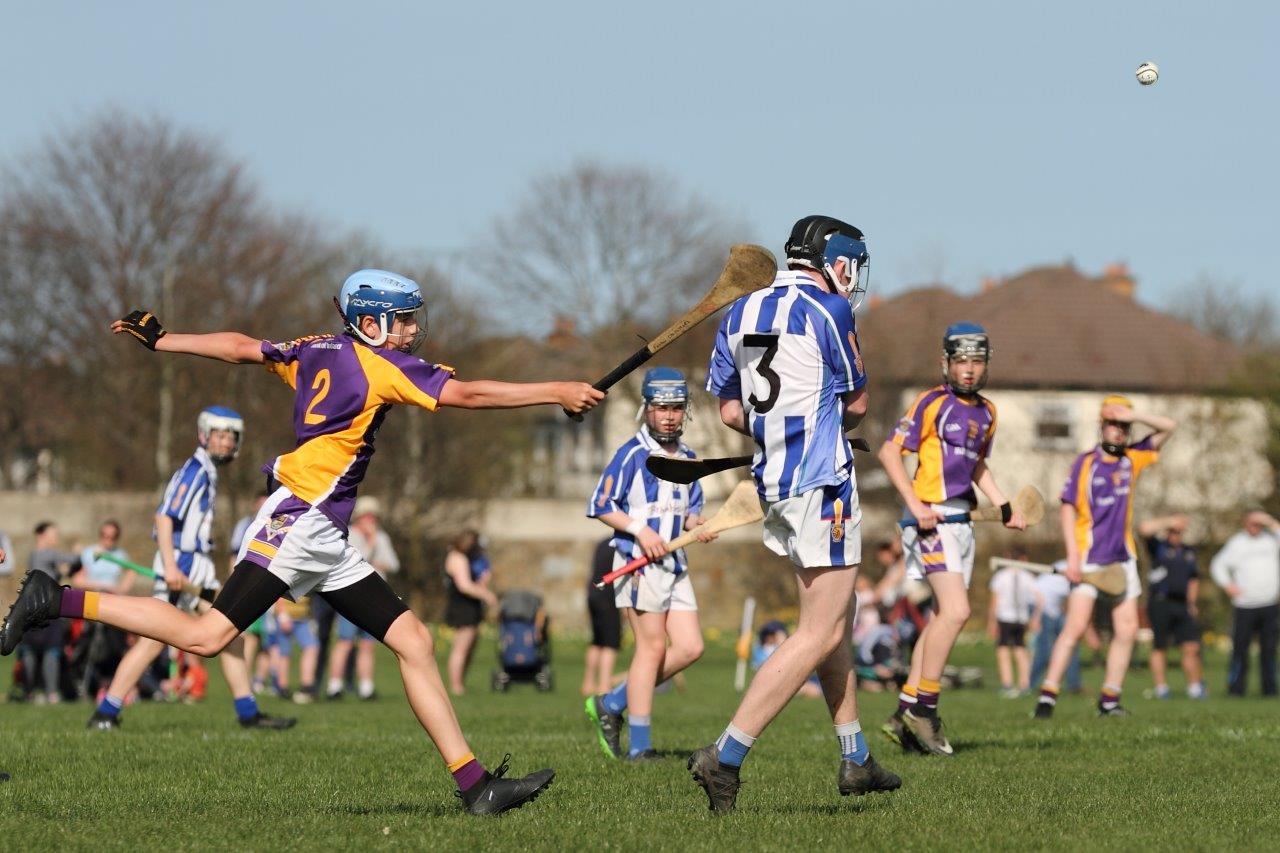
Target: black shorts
{"points": [[606, 621], [1012, 634], [1171, 620], [463, 612]]}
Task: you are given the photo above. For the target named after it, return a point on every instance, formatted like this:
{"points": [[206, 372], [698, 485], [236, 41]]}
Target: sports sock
{"points": [[468, 773], [927, 697], [638, 731], [1109, 697], [335, 686], [365, 690], [1049, 693], [853, 746], [615, 701], [906, 699], [78, 604], [1196, 691], [110, 706], [733, 746], [246, 707]]}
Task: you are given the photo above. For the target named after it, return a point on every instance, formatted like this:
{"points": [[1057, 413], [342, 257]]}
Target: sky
{"points": [[967, 140]]}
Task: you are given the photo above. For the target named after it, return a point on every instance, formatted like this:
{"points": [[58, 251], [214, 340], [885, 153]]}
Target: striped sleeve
{"points": [[183, 486], [990, 441], [722, 374], [1142, 454], [839, 343], [696, 499], [910, 430], [612, 486]]}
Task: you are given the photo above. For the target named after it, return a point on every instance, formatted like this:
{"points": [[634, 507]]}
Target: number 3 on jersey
{"points": [[321, 382], [769, 343]]}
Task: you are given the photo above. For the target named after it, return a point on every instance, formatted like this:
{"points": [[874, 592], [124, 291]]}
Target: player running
{"points": [[787, 371], [950, 429], [1097, 519], [183, 522], [297, 544], [658, 600]]}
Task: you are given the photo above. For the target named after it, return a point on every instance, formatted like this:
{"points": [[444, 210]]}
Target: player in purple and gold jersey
{"points": [[297, 544], [950, 428], [1097, 524]]}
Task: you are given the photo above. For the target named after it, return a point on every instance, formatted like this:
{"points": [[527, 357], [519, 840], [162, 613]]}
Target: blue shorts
{"points": [[304, 634], [348, 631]]}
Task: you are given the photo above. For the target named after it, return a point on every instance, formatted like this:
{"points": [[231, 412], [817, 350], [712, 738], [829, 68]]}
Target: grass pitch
{"points": [[1177, 775]]}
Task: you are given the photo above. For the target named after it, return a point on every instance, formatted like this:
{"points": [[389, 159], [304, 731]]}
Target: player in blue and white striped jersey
{"points": [[658, 600], [788, 373], [183, 523]]}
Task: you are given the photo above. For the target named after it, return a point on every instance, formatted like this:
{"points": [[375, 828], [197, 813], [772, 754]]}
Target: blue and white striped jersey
{"points": [[788, 352], [188, 500], [628, 486]]}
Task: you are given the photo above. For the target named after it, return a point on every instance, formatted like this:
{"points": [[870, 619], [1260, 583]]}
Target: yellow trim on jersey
{"points": [[927, 483], [288, 373], [1084, 515], [388, 384], [1139, 460], [312, 470]]}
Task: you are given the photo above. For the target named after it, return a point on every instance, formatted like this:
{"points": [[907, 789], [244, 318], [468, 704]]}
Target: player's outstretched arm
{"points": [[232, 347], [574, 397]]}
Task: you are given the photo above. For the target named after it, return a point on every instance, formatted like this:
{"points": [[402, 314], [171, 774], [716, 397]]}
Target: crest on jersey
{"points": [[837, 520], [278, 522], [974, 427], [904, 425], [604, 493], [857, 356]]}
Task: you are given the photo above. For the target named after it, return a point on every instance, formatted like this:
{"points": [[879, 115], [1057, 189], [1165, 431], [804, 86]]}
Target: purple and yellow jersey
{"points": [[1100, 488], [950, 437], [344, 390]]}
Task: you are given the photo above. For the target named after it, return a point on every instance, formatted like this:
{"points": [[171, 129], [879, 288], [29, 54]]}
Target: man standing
{"points": [[366, 536], [1014, 603], [788, 373], [1173, 584], [1248, 568], [1097, 508], [1053, 589]]}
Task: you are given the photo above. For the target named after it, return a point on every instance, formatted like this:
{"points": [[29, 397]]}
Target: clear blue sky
{"points": [[966, 139]]}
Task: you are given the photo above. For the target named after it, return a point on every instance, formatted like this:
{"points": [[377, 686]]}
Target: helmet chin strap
{"points": [[1112, 449]]}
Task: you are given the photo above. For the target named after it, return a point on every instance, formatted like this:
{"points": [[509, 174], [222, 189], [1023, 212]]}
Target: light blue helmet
{"points": [[664, 386], [220, 417], [381, 295]]}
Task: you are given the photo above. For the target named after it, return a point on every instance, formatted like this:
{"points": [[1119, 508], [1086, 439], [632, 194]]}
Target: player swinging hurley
{"points": [[647, 513], [950, 428], [1097, 519], [787, 371]]}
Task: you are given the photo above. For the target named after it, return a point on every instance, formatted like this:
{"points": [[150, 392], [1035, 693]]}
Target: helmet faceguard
{"points": [[818, 243], [968, 341], [220, 418], [663, 386], [385, 296]]}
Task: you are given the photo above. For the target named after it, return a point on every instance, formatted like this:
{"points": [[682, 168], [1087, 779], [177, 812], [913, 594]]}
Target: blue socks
{"points": [[615, 701], [733, 746], [853, 746], [639, 738], [246, 707], [110, 706]]}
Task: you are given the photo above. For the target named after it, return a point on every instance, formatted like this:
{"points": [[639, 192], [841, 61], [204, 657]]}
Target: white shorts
{"points": [[199, 570], [822, 527], [1133, 586], [300, 545], [654, 590], [949, 549]]}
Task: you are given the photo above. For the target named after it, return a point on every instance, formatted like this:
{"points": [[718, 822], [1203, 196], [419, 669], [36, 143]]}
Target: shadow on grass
{"points": [[425, 810]]}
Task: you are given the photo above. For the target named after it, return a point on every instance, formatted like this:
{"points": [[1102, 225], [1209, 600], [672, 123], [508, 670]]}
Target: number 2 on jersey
{"points": [[770, 345], [322, 382]]}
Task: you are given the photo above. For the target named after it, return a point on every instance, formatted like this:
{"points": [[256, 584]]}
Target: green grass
{"points": [[1177, 774]]}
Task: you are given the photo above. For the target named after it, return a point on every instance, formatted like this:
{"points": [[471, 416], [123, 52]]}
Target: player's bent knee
{"points": [[214, 632]]}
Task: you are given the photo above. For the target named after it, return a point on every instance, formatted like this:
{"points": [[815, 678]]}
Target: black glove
{"points": [[144, 326]]}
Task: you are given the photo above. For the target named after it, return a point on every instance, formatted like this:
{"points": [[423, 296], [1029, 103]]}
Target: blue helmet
{"points": [[381, 295], [970, 340], [219, 417], [817, 242], [664, 386]]}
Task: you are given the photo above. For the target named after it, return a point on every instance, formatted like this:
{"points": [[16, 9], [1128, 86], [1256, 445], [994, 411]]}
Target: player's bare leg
{"points": [[1022, 665], [1124, 625], [1004, 666], [952, 613], [415, 650], [338, 666], [589, 669], [654, 662], [133, 665], [464, 642], [604, 669], [1079, 616], [1193, 669], [365, 651], [1160, 672]]}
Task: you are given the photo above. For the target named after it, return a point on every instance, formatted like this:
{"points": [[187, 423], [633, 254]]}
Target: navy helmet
{"points": [[664, 386], [817, 242], [969, 340]]}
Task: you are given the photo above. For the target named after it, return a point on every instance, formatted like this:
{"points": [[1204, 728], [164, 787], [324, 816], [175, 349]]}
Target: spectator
{"points": [[294, 625], [100, 646], [373, 543], [256, 654], [606, 624], [1015, 602], [1248, 568], [42, 647], [467, 574], [1173, 587], [769, 638], [1053, 589]]}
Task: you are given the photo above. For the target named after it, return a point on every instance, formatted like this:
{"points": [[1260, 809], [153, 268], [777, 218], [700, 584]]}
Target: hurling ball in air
{"points": [[1147, 73]]}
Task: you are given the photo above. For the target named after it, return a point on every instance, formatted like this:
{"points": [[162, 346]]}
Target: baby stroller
{"points": [[524, 645]]}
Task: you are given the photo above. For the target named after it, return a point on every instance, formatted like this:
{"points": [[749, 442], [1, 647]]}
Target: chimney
{"points": [[564, 332], [989, 284], [1117, 278]]}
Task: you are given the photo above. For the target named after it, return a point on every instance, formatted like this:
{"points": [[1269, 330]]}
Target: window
{"points": [[1055, 427]]}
